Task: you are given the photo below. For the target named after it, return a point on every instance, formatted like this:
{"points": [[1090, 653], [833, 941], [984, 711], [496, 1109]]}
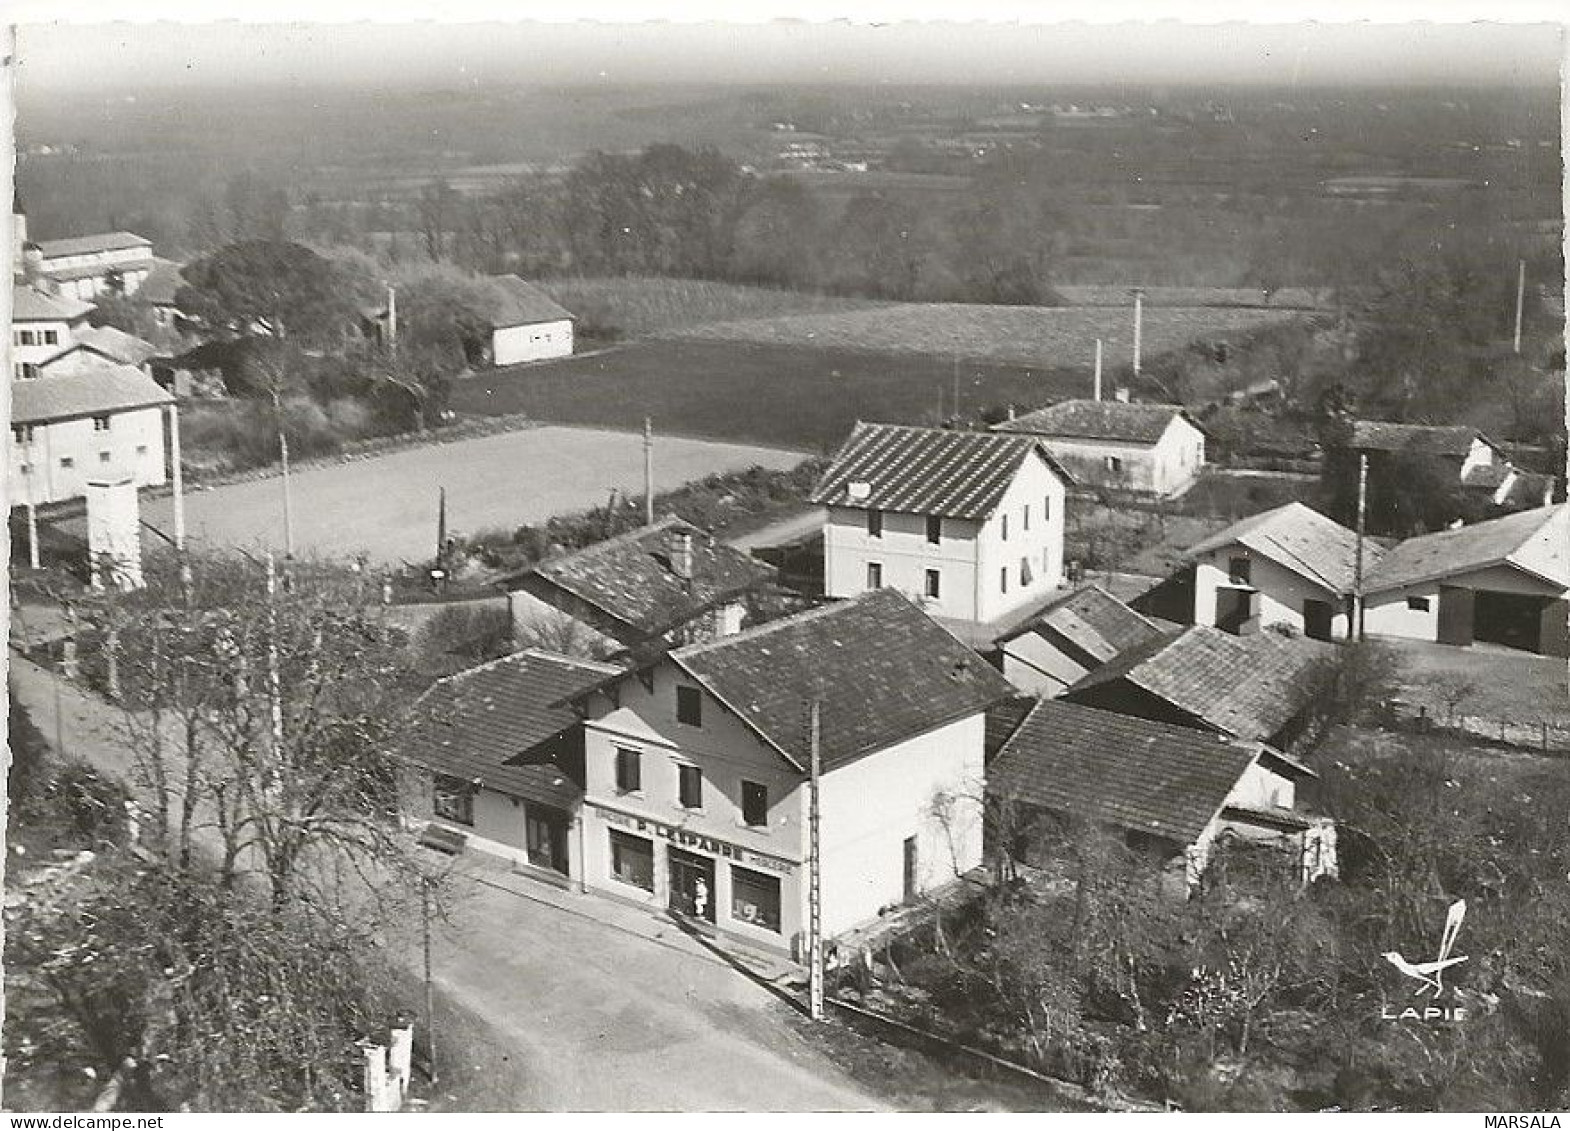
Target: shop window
{"points": [[934, 529], [934, 584], [1417, 604], [1240, 571], [689, 706], [874, 524], [629, 771], [755, 804], [874, 575], [454, 800], [755, 898], [632, 860], [689, 787]]}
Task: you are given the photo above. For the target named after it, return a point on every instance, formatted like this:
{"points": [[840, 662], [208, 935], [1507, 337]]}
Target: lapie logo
{"points": [[1430, 976]]}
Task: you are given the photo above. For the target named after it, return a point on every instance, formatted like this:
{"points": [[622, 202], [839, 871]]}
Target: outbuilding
{"points": [[1154, 449], [529, 326]]}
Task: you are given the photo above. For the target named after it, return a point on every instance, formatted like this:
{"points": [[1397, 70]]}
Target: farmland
{"points": [[800, 396], [633, 307], [1015, 335], [386, 507]]}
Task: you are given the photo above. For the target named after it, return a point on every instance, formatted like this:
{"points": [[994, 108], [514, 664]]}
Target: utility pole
{"points": [[648, 471], [1098, 369], [177, 478], [430, 990], [1355, 629], [392, 319], [441, 528], [283, 457], [1520, 300], [815, 870], [32, 511], [956, 389], [1139, 323], [274, 679]]}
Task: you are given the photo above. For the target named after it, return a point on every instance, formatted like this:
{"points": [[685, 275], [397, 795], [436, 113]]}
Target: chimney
{"points": [[681, 555], [1011, 412]]}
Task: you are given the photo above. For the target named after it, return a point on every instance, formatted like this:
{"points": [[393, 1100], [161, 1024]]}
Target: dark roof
{"points": [[1127, 422], [932, 471], [1302, 540], [1247, 686], [29, 304], [1003, 720], [163, 282], [631, 578], [1417, 439], [882, 669], [1093, 620], [1164, 780], [1537, 541], [83, 245], [94, 392], [1528, 489], [524, 303], [470, 724]]}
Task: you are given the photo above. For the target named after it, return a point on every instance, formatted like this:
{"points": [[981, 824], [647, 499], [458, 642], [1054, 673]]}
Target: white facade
{"points": [[85, 275], [865, 857], [35, 342], [1279, 594], [1412, 611], [534, 341], [980, 569], [55, 460], [1166, 467]]}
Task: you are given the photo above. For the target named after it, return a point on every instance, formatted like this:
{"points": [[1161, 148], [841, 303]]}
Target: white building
{"points": [[43, 326], [84, 267], [969, 524], [530, 326], [1290, 566], [1505, 581], [1149, 448], [69, 430]]}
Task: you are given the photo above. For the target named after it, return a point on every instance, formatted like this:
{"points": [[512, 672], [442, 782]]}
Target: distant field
{"points": [[1284, 300], [1051, 337], [635, 307], [803, 395]]}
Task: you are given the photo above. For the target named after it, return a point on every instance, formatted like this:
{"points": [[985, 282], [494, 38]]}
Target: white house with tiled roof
{"points": [[1149, 448], [43, 326], [84, 267], [530, 326], [969, 524]]}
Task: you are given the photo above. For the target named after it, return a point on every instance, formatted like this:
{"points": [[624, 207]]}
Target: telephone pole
{"points": [[1520, 300], [1098, 369], [283, 459], [648, 471], [814, 871], [32, 510], [1355, 629], [1139, 324]]}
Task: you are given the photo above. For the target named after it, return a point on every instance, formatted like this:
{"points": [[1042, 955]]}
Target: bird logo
{"points": [[1431, 974]]}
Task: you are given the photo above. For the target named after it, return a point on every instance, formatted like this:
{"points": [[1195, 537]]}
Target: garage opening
{"points": [[1515, 620]]}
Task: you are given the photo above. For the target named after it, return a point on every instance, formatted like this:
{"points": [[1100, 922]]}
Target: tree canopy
{"points": [[271, 288]]}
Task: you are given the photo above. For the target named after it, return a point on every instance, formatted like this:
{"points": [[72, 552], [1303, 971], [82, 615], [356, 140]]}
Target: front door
{"points": [[1317, 616], [546, 837], [692, 885], [1455, 615]]}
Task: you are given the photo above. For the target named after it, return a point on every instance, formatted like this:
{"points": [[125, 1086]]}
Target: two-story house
{"points": [[43, 326], [969, 524], [696, 771], [1148, 448]]}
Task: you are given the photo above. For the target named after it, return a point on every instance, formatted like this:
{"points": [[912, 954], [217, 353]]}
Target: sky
{"points": [[90, 56]]}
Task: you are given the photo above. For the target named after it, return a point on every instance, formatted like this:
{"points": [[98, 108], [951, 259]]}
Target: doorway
{"points": [[692, 885], [1317, 619], [545, 834]]}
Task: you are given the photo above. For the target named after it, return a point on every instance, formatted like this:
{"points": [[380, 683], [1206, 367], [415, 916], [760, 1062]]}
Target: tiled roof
{"points": [[1093, 620], [470, 724], [525, 303], [1537, 541], [163, 282], [29, 304], [1163, 780], [95, 392], [83, 245], [1246, 686], [931, 471], [1418, 439], [1098, 420], [1302, 540], [882, 670], [115, 344], [631, 578]]}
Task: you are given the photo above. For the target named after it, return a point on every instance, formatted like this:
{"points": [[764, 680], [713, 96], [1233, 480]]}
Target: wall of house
{"points": [[870, 807], [1016, 535], [33, 343], [1262, 788], [499, 827], [1386, 613], [1281, 591], [1036, 666], [89, 287], [134, 446], [1480, 455], [1086, 461], [905, 555], [513, 344], [535, 621], [728, 753], [1179, 456]]}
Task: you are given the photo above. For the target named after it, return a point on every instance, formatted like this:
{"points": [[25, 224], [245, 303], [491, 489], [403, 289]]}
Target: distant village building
{"points": [[85, 267], [43, 326], [1154, 449], [1250, 687], [530, 326], [969, 524], [1070, 638], [1478, 463], [693, 783], [651, 588], [1173, 792], [1504, 581], [1287, 566], [69, 430]]}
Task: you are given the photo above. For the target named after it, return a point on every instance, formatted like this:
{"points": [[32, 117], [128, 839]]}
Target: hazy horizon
{"points": [[100, 58]]}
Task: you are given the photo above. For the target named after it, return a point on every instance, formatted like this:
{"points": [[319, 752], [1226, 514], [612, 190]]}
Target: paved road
{"points": [[589, 1005], [386, 506]]}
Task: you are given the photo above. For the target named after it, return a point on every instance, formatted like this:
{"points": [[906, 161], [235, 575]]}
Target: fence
{"points": [[1546, 736]]}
